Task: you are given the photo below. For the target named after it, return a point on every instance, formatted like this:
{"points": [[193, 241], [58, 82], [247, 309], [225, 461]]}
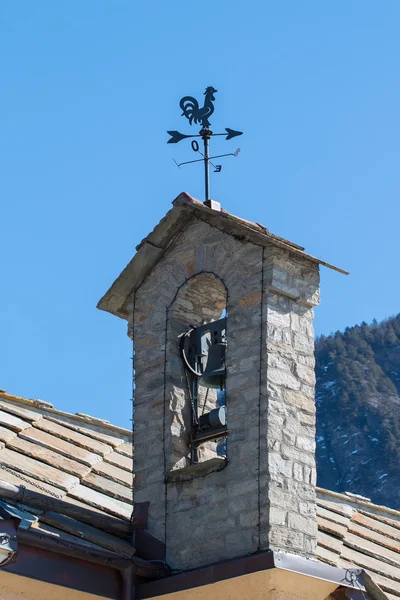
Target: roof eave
{"points": [[235, 569]]}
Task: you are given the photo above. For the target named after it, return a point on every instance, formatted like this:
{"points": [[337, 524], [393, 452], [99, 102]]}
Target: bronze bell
{"points": [[215, 372]]}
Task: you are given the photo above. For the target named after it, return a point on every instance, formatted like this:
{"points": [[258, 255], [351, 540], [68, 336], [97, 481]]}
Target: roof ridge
{"points": [[184, 199], [349, 498], [79, 417]]}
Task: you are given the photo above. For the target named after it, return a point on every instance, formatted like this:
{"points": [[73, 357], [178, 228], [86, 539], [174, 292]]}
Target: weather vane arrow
{"points": [[176, 136], [200, 116]]}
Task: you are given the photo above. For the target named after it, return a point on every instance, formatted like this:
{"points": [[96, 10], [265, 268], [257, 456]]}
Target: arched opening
{"points": [[196, 341]]}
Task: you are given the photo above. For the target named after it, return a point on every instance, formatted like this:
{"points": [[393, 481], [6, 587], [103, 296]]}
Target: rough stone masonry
{"points": [[265, 496]]}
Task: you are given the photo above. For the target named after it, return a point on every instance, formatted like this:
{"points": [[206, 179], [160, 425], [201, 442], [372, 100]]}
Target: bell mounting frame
{"points": [[193, 349]]}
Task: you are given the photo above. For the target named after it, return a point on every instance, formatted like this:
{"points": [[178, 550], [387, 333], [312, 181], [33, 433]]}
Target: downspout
{"points": [[128, 589]]}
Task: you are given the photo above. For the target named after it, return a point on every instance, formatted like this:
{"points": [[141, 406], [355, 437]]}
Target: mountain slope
{"points": [[358, 411]]}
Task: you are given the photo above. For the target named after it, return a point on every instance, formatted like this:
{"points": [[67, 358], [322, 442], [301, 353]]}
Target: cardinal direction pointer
{"points": [[232, 133], [178, 137], [200, 115]]}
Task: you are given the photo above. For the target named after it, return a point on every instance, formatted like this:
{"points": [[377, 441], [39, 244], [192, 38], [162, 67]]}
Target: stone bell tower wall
{"points": [[265, 495]]}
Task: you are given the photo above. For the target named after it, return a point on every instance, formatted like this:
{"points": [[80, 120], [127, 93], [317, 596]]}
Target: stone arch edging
{"points": [[189, 307]]}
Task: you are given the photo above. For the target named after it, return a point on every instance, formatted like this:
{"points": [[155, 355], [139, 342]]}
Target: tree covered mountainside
{"points": [[358, 411]]}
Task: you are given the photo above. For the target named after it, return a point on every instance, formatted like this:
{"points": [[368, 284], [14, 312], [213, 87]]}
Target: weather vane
{"points": [[200, 116]]}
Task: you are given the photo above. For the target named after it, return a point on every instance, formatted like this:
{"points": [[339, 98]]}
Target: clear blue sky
{"points": [[88, 90]]}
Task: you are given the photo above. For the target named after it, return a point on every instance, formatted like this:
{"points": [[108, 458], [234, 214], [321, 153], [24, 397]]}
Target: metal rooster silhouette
{"points": [[193, 112]]}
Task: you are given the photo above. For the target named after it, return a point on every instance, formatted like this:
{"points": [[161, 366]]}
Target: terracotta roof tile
{"points": [[69, 435], [114, 473], [63, 456], [52, 442], [13, 423], [119, 460], [355, 532]]}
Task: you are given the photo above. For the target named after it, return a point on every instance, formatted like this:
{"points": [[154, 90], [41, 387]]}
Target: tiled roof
{"points": [[353, 532], [82, 461], [87, 464]]}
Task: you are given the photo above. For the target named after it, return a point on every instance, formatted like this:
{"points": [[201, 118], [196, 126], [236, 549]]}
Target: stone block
{"points": [[299, 401], [217, 527], [251, 365], [217, 513], [302, 491], [274, 434], [276, 360], [272, 391], [274, 445], [284, 538], [238, 490], [307, 509], [307, 419], [297, 522], [307, 360], [288, 437], [279, 498], [313, 477], [306, 374], [305, 443], [308, 390], [295, 322], [277, 408], [310, 545], [278, 318], [277, 516], [303, 343], [279, 465], [284, 288], [293, 453], [249, 519], [240, 542], [298, 471], [274, 334]]}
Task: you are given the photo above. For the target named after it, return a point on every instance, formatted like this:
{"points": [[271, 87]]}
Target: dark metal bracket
{"points": [[199, 437]]}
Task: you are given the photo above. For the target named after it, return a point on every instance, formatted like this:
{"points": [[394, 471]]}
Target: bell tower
{"points": [[221, 316]]}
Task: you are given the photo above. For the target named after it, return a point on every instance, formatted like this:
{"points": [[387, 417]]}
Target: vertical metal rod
{"points": [[206, 165], [195, 396]]}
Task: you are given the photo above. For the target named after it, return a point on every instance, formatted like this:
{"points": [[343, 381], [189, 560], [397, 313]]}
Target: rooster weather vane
{"points": [[200, 116]]}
